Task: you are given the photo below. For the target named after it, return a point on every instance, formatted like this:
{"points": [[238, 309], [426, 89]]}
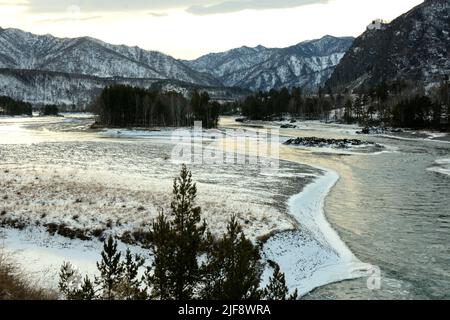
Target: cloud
{"points": [[69, 19], [158, 14], [234, 6], [197, 7], [56, 6]]}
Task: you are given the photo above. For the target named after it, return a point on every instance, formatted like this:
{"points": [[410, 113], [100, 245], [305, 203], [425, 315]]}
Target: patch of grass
{"points": [[141, 236], [137, 237], [261, 240], [13, 223], [65, 231], [98, 232]]}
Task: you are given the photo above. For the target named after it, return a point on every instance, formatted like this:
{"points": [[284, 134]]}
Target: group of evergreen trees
{"points": [[49, 110], [401, 104], [11, 107], [266, 105], [123, 106], [189, 262]]}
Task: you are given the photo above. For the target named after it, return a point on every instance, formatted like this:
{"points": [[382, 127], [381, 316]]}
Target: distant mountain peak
{"points": [[307, 64], [329, 37], [90, 56]]}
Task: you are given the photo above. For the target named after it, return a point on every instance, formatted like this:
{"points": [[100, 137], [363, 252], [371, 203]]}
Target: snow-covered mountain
{"points": [[88, 56], [307, 64], [49, 87], [43, 69], [414, 47]]}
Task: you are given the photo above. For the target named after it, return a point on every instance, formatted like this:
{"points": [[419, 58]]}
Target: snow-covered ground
{"points": [[114, 182], [41, 255], [92, 200], [311, 255]]}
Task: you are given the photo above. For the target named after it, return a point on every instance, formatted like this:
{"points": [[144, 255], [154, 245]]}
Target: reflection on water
{"points": [[27, 130]]}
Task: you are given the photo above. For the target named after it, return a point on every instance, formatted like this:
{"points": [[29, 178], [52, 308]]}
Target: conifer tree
{"points": [[188, 237], [232, 270], [178, 244], [71, 286], [162, 246], [67, 281], [87, 291], [118, 279], [110, 268], [130, 283], [277, 289]]}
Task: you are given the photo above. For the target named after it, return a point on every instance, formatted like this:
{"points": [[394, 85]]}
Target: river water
{"points": [[392, 209], [393, 212]]}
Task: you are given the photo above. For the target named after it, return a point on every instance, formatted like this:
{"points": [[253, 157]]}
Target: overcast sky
{"points": [[190, 28]]}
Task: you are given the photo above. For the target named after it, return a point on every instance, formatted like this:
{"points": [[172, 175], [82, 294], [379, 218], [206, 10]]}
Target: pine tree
{"points": [[71, 286], [277, 289], [232, 270], [188, 236], [110, 268], [130, 284], [68, 278], [177, 245], [87, 291], [118, 279], [212, 270], [162, 246]]}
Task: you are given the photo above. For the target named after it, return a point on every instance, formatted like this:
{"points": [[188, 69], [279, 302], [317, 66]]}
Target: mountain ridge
{"points": [[86, 55], [80, 90], [414, 47], [306, 64]]}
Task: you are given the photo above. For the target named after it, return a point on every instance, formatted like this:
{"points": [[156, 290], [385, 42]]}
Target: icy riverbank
{"points": [[313, 255]]}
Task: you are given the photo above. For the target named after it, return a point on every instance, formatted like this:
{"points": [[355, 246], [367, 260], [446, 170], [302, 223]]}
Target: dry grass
{"points": [[82, 204], [15, 286]]}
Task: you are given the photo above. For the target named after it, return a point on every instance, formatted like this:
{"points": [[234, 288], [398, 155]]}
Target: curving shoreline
{"points": [[314, 255]]}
